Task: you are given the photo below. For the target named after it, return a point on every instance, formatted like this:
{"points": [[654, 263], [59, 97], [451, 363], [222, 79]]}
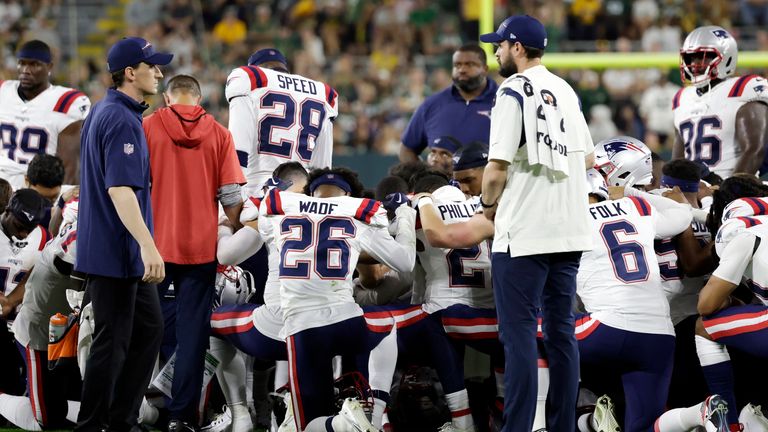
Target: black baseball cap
{"points": [[133, 50], [28, 206], [519, 28], [473, 155]]}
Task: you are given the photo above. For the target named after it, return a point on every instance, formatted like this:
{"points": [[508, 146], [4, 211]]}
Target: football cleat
{"points": [[353, 413], [604, 418], [753, 419], [221, 423], [714, 411]]}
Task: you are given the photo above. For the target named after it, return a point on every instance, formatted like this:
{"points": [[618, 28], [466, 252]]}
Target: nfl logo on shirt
{"points": [[128, 148]]}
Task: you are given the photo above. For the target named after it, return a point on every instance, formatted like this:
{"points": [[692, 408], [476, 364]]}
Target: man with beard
{"points": [[462, 111], [533, 188]]}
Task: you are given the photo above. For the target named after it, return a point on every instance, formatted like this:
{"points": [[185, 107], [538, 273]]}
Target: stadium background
{"points": [[385, 56]]}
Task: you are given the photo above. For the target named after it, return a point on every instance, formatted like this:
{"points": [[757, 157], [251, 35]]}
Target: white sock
{"points": [[540, 417], [710, 352], [281, 374], [231, 371], [147, 413], [680, 419], [18, 410], [73, 409], [241, 418], [584, 423], [338, 424], [249, 383], [381, 367], [461, 416]]}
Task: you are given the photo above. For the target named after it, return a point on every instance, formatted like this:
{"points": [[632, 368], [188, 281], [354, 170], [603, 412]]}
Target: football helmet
{"points": [[708, 53], [233, 286], [596, 184], [624, 161]]}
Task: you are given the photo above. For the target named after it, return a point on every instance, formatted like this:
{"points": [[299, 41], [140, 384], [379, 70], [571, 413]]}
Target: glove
{"points": [[275, 182], [394, 200]]}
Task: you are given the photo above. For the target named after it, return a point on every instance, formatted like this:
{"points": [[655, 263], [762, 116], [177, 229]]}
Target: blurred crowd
{"points": [[385, 56]]}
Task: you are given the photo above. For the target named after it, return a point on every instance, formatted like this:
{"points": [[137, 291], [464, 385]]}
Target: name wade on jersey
{"points": [[296, 84], [315, 207], [605, 210]]}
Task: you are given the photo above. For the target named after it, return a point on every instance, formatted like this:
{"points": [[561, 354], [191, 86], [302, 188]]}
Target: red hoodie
{"points": [[190, 157]]}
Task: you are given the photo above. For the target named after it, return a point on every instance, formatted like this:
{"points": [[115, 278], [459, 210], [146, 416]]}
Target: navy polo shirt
{"points": [[113, 152], [447, 114]]}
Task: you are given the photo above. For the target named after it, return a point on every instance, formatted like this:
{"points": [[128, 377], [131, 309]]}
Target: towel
{"points": [[544, 129]]}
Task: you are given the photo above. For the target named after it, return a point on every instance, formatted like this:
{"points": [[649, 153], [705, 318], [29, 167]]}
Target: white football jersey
{"points": [[682, 291], [31, 127], [272, 288], [318, 243], [456, 276], [277, 117], [17, 258], [742, 245], [707, 123], [619, 281]]}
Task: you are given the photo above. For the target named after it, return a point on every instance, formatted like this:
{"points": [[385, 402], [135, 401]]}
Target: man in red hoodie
{"points": [[194, 167]]}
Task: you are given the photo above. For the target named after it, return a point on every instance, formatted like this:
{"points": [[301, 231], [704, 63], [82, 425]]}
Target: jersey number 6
{"points": [[627, 256]]}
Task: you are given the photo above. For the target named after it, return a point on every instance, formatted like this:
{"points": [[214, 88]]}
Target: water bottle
{"points": [[57, 327]]}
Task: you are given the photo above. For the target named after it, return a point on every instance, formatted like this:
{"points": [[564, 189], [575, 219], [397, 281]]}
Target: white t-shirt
{"points": [[277, 117], [536, 215]]}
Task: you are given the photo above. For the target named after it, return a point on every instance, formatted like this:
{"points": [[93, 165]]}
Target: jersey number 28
{"points": [[299, 126]]}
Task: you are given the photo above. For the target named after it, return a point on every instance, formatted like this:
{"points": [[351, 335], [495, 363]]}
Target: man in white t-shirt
{"points": [[534, 186]]}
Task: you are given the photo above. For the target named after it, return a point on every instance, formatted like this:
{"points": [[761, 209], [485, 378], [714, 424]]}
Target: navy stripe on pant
{"points": [[645, 363], [521, 286], [243, 334]]}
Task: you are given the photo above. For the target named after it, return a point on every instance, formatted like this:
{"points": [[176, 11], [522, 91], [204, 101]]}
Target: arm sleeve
{"points": [[124, 165], [735, 258], [398, 253], [671, 218], [506, 125], [232, 249], [323, 151]]}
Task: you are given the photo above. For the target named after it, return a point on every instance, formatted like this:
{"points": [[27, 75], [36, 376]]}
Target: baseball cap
{"points": [[473, 156], [267, 55], [133, 50], [519, 28], [447, 143], [28, 207]]}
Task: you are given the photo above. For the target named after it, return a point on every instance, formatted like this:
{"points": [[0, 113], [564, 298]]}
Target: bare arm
{"points": [[589, 160], [457, 235], [407, 155], [715, 295], [694, 259], [127, 207], [751, 136], [69, 151], [494, 179], [14, 298], [678, 150]]}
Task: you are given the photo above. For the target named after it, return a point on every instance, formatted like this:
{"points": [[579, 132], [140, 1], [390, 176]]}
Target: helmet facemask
{"points": [[699, 66]]}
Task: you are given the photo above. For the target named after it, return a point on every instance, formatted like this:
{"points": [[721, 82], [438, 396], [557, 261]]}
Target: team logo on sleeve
{"points": [[128, 148], [759, 89]]}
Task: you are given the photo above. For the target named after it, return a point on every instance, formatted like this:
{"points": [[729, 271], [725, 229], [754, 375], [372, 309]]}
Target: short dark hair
{"points": [[406, 170], [682, 169], [184, 83], [347, 174], [475, 48], [532, 53], [428, 181], [118, 77], [45, 170], [290, 171], [5, 193], [389, 185]]}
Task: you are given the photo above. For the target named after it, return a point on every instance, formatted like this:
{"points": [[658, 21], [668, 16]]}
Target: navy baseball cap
{"points": [[519, 28], [133, 50], [474, 155], [447, 143], [267, 55]]}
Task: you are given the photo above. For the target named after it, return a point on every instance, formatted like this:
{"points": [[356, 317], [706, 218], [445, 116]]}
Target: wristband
{"points": [[484, 205], [424, 201]]}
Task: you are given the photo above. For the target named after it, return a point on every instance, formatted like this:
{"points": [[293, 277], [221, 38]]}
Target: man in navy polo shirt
{"points": [[462, 111], [115, 246]]}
